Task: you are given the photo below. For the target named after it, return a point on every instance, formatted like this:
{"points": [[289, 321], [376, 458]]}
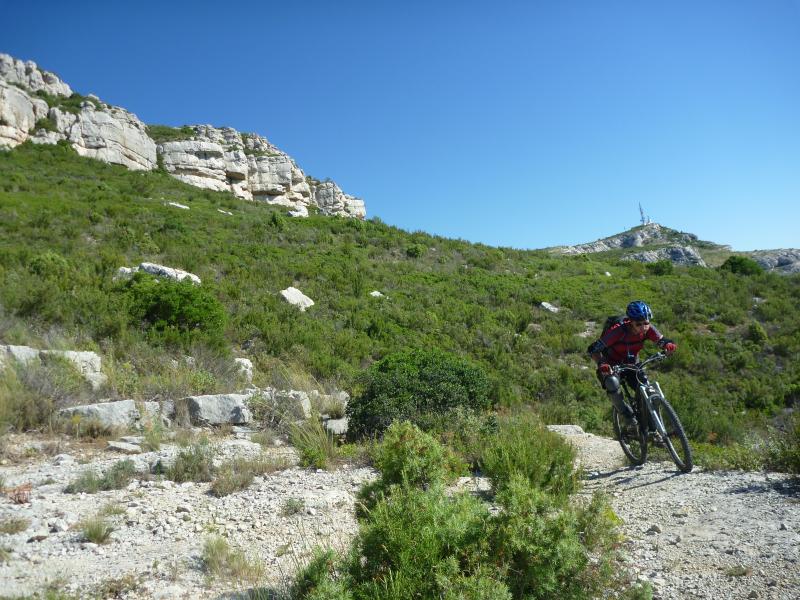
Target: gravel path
{"points": [[701, 535], [704, 534]]}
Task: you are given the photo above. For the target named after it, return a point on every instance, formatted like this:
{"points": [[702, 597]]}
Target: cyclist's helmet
{"points": [[639, 311]]}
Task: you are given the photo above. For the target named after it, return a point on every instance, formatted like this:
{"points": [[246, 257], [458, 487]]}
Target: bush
{"points": [[410, 457], [783, 451], [194, 463], [539, 543], [741, 265], [523, 446], [416, 534], [418, 386], [176, 313], [660, 267]]}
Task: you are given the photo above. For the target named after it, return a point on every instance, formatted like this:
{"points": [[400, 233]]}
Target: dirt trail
{"points": [[704, 534]]}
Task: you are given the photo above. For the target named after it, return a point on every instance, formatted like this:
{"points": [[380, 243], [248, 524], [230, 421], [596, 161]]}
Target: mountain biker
{"points": [[621, 344]]}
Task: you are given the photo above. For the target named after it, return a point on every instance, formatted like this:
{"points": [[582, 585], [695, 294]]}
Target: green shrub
{"points": [[416, 385], [756, 333], [415, 250], [783, 451], [45, 123], [660, 267], [741, 265], [410, 457], [416, 534], [165, 133], [176, 313], [523, 446], [538, 543], [194, 463]]}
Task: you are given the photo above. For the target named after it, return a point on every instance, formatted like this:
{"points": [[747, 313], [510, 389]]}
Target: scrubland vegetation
{"points": [[457, 366]]}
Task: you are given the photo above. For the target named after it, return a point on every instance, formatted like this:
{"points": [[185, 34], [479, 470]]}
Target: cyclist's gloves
{"points": [[604, 368], [669, 346]]}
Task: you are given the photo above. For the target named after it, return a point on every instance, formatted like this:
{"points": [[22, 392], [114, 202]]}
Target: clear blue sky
{"points": [[524, 124]]}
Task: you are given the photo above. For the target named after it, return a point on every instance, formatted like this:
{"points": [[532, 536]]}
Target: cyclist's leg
{"points": [[611, 384]]}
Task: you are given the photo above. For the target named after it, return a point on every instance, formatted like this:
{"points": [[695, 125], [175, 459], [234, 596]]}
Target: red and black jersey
{"points": [[620, 344]]}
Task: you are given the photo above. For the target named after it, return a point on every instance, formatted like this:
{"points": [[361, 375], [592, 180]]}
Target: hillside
{"points": [[69, 223]]}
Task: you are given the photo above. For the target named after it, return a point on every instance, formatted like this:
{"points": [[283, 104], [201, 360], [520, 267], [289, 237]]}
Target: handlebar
{"points": [[658, 356]]}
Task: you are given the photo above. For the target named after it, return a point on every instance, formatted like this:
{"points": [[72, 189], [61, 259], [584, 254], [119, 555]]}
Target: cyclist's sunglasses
{"points": [[641, 323]]}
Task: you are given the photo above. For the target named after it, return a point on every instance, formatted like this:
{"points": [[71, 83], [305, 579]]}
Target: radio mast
{"points": [[645, 220]]}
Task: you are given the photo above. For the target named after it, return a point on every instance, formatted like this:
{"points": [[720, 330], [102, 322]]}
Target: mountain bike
{"points": [[658, 423]]}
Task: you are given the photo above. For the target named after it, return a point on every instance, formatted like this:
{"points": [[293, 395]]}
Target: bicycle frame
{"points": [[647, 395]]}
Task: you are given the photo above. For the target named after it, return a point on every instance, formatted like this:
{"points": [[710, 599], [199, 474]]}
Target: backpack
{"points": [[611, 321]]}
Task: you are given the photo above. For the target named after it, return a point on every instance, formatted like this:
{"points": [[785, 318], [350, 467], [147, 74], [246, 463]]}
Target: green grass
{"points": [[12, 525], [316, 446], [96, 530], [115, 478], [220, 560], [238, 474]]}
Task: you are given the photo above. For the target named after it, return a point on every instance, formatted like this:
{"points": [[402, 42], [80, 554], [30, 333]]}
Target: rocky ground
{"points": [[701, 535], [159, 534], [720, 535]]}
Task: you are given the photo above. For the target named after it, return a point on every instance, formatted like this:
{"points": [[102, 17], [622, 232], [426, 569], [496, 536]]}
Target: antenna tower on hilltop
{"points": [[645, 220]]}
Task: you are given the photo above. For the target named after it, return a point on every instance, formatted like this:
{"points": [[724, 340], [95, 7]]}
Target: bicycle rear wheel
{"points": [[676, 441], [634, 446]]}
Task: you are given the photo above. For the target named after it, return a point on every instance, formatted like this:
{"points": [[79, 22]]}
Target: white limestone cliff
{"points": [[220, 159]]}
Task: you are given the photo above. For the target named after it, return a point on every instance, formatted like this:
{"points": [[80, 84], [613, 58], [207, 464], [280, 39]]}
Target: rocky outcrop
{"points": [[331, 200], [220, 159], [19, 113], [250, 167], [88, 364], [106, 133], [121, 413], [95, 130], [652, 233], [785, 261], [31, 77], [679, 255]]}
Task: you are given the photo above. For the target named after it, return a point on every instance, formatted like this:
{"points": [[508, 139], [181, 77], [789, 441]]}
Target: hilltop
{"points": [[653, 242]]}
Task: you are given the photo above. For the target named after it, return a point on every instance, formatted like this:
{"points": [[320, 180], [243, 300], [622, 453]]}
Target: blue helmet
{"points": [[639, 311]]}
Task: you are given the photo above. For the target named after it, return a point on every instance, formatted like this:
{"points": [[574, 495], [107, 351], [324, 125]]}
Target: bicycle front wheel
{"points": [[634, 445], [676, 441]]}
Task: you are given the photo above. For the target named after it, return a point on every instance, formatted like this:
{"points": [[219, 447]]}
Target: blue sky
{"points": [[523, 124]]}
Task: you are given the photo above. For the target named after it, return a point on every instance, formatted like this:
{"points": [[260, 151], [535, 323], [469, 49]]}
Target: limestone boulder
{"points": [[219, 409], [297, 298], [119, 413], [89, 364], [158, 271]]}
